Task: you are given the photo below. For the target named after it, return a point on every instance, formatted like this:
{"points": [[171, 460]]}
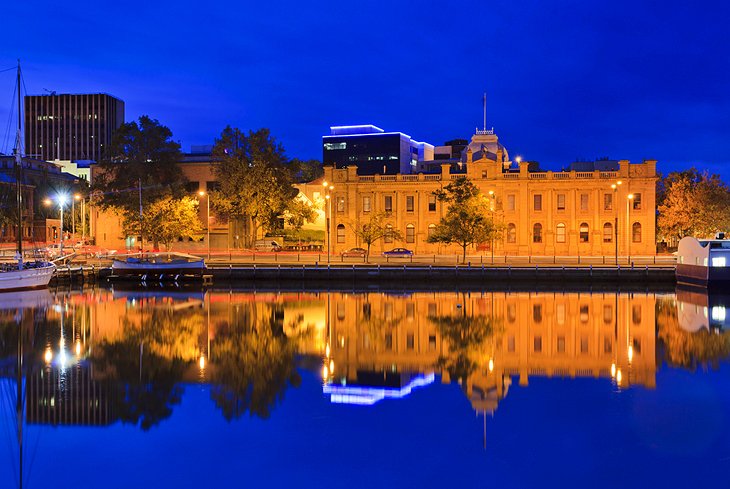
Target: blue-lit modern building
{"points": [[373, 150]]}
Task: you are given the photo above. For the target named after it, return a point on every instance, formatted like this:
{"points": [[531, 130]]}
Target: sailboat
{"points": [[20, 275]]}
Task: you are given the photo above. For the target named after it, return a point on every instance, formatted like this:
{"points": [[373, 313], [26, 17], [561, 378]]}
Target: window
{"points": [[511, 313], [561, 202], [637, 202], [636, 314], [366, 310], [537, 344], [410, 341], [410, 311], [389, 341], [636, 232], [340, 233], [537, 313], [607, 344], [212, 185], [560, 233], [366, 204], [584, 344], [331, 146], [607, 313], [584, 313], [537, 202], [432, 203], [388, 238], [192, 187], [511, 202], [409, 203], [340, 311], [560, 313], [431, 342], [388, 203], [583, 233], [511, 344], [584, 202], [340, 204], [537, 233], [561, 344], [608, 232], [431, 229], [607, 202], [511, 233], [410, 233]]}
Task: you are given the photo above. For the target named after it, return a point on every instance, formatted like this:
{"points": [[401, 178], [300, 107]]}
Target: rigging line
{"points": [[22, 108], [8, 69], [10, 121]]}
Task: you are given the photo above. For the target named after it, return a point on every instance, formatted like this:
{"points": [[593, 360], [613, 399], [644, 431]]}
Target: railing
{"points": [[366, 179], [432, 178], [511, 176], [609, 174], [409, 178], [388, 178], [584, 174], [537, 176], [561, 176]]}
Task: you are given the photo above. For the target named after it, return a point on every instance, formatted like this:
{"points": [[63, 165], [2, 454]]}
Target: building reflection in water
{"points": [[96, 356]]}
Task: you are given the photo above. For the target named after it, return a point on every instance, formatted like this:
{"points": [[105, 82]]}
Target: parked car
{"points": [[355, 253], [267, 245], [398, 252]]}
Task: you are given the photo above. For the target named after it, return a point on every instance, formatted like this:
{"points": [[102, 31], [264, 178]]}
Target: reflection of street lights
{"points": [[328, 214], [207, 218], [615, 224]]}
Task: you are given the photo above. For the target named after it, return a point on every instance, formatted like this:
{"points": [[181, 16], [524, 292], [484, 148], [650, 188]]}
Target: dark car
{"points": [[398, 252], [354, 252]]}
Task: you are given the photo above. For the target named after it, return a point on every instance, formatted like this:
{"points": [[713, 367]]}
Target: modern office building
{"points": [[373, 150], [549, 213], [69, 126]]}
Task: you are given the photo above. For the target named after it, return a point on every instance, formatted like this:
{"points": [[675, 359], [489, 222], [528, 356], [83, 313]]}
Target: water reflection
{"points": [[95, 357]]}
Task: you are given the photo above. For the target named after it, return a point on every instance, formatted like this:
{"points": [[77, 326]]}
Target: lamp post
{"points": [[615, 224], [491, 209], [328, 214], [629, 198], [73, 213], [61, 199], [207, 219]]}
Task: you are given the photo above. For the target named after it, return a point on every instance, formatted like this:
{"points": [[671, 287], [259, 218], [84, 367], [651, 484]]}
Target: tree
{"points": [[298, 213], [691, 203], [255, 181], [141, 155], [168, 219], [376, 228], [306, 171], [468, 220]]}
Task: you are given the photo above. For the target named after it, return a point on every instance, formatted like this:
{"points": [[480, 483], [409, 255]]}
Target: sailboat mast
{"points": [[18, 168], [19, 401]]}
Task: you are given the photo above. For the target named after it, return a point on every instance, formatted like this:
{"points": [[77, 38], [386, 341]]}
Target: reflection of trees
{"points": [[466, 336], [689, 350], [145, 366], [254, 363]]}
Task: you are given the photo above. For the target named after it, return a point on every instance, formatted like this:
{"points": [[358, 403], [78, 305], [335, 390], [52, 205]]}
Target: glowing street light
{"points": [[328, 214], [61, 200], [207, 218], [615, 187]]}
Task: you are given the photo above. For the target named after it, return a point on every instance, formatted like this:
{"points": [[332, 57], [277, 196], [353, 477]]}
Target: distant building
{"points": [[70, 127], [373, 150]]}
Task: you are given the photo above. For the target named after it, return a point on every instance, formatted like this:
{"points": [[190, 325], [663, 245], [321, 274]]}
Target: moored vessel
{"points": [[704, 262]]}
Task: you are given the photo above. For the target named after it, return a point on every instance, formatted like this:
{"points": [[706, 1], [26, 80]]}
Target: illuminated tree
{"points": [[375, 229]]}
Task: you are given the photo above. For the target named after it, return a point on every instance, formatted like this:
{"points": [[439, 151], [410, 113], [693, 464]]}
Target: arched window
{"points": [[431, 229], [340, 233], [608, 232], [537, 233], [410, 233], [636, 232], [511, 233], [560, 233], [388, 238], [584, 232]]}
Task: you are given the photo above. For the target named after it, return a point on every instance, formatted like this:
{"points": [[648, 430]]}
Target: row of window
{"points": [[388, 238], [560, 344], [583, 233], [608, 204], [583, 315], [387, 203]]}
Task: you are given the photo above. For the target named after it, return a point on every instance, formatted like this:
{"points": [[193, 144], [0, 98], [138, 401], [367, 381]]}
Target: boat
{"points": [[165, 266], [704, 262], [19, 275]]}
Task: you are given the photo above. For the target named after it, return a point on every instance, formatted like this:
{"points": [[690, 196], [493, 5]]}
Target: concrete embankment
{"points": [[434, 276]]}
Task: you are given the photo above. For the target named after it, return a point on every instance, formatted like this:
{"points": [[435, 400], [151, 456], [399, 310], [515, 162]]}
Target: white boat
{"points": [[703, 262], [19, 275], [158, 266]]}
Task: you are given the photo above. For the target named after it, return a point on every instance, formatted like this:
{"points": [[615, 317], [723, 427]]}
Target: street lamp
{"points": [[207, 219], [328, 214], [73, 214], [629, 198], [61, 200], [491, 208], [615, 187]]}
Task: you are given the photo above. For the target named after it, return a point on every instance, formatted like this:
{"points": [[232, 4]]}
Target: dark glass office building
{"points": [[70, 127], [373, 150]]}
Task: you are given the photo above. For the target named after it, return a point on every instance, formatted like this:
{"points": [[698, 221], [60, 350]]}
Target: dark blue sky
{"points": [[566, 79]]}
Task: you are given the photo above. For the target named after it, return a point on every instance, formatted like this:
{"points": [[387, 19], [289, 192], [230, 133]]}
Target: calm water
{"points": [[291, 389]]}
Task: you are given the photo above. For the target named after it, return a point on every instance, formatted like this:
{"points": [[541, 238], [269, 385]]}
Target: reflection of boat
{"points": [[19, 275], [166, 298], [158, 266], [25, 299], [697, 310], [704, 262]]}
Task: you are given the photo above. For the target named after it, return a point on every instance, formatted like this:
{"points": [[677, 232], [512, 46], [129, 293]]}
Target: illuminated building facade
{"points": [[70, 126], [553, 213], [373, 150]]}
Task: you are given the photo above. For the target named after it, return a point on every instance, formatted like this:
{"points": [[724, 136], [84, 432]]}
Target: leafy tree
{"points": [[468, 220], [167, 219], [693, 204], [306, 171], [140, 153], [376, 228], [255, 180], [298, 213]]}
